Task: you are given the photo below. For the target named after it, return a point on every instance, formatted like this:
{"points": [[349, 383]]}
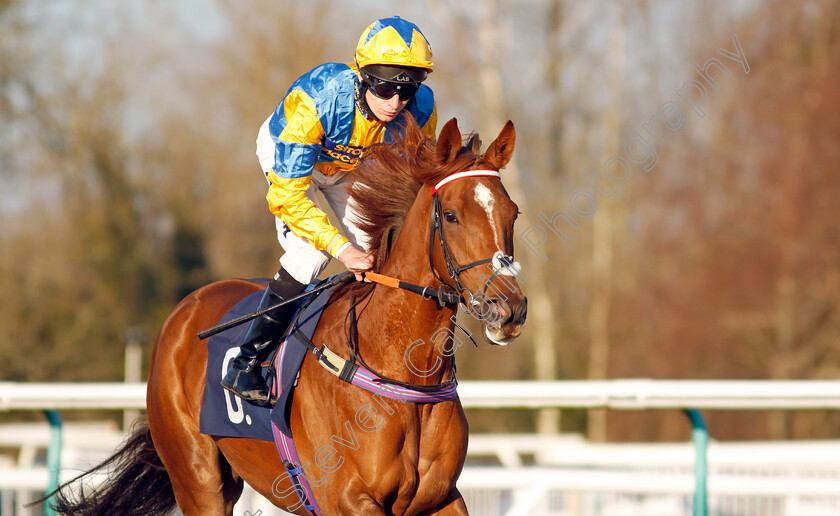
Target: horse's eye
{"points": [[450, 217]]}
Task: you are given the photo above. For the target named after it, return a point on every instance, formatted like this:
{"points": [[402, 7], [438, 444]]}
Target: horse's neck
{"points": [[402, 321]]}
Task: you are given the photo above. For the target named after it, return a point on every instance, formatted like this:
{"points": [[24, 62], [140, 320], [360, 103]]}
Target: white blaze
{"points": [[484, 197]]}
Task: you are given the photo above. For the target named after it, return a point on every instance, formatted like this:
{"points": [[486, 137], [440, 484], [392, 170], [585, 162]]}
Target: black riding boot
{"points": [[244, 378]]}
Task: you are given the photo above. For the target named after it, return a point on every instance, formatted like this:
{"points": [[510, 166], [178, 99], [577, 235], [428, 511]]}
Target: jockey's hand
{"points": [[356, 261]]}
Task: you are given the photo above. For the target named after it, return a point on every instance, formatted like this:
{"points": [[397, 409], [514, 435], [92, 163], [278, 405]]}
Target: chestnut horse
{"points": [[409, 455]]}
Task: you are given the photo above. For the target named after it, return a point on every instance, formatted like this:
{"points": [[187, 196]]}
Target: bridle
{"points": [[446, 293], [501, 263]]}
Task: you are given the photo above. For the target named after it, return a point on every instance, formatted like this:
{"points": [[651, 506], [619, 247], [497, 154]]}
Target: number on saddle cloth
{"points": [[226, 415]]}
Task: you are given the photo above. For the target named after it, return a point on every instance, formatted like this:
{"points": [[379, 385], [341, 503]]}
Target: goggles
{"points": [[385, 89]]}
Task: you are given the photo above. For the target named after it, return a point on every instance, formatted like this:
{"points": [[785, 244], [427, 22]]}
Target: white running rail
{"points": [[625, 394], [568, 477]]}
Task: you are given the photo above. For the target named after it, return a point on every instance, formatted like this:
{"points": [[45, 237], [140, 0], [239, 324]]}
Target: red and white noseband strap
{"points": [[465, 173]]}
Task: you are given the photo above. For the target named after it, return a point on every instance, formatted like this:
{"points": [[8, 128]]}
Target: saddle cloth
{"points": [[226, 415]]}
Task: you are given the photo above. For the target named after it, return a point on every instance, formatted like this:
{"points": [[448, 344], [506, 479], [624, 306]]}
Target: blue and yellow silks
{"points": [[320, 125]]}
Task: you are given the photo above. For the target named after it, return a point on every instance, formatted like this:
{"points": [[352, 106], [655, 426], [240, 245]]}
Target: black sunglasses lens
{"points": [[386, 90], [407, 91]]}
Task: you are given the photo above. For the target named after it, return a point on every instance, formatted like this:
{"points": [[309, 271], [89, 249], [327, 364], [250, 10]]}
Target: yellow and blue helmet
{"points": [[394, 42]]}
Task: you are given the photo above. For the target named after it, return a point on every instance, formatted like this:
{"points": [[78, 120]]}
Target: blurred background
{"points": [[128, 178]]}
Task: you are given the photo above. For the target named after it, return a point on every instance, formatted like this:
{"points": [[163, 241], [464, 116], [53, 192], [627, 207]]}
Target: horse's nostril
{"points": [[519, 312]]}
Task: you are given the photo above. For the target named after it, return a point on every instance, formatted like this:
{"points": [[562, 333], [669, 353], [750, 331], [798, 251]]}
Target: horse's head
{"points": [[471, 231]]}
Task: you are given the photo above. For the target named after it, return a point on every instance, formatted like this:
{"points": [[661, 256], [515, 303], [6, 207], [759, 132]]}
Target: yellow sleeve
{"points": [[298, 146], [287, 199]]}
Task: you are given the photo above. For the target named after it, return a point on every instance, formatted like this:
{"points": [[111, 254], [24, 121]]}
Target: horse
{"points": [[437, 214]]}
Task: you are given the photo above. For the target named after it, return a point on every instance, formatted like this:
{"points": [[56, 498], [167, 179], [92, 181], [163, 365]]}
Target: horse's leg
{"points": [[202, 480], [368, 507], [262, 467], [453, 506]]}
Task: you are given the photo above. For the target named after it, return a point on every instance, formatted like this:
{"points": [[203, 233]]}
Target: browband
{"points": [[465, 173]]}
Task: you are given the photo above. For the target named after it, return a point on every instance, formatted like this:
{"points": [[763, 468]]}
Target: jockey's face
{"points": [[385, 109]]}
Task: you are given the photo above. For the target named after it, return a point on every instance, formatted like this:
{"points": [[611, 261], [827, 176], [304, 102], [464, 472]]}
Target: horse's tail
{"points": [[137, 483]]}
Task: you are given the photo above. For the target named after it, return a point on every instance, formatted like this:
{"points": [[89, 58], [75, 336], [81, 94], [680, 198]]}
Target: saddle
{"points": [[226, 415]]}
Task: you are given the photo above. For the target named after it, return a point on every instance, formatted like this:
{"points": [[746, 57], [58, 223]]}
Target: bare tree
{"points": [[740, 276]]}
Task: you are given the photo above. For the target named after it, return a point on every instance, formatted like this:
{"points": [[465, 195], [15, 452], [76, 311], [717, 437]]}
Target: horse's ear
{"points": [[499, 153], [449, 142]]}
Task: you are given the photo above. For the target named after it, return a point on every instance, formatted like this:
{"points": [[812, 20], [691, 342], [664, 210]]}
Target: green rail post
{"points": [[53, 457], [700, 437]]}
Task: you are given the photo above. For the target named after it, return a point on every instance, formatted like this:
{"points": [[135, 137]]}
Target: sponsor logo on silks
{"points": [[349, 154]]}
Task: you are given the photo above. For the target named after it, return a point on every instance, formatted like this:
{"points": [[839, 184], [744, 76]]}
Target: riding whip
{"points": [[335, 280]]}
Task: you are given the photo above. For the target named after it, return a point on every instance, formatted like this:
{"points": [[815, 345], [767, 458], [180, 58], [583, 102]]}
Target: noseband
{"points": [[502, 263]]}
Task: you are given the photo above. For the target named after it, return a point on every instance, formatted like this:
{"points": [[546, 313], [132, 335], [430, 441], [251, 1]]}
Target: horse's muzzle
{"points": [[505, 320]]}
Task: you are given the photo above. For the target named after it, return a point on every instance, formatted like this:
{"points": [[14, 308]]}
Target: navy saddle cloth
{"points": [[226, 415]]}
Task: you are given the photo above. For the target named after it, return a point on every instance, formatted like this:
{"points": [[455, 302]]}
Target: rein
{"points": [[502, 264], [443, 296], [436, 229], [357, 372], [445, 293]]}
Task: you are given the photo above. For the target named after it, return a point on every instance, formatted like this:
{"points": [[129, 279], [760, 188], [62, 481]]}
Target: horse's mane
{"points": [[389, 177]]}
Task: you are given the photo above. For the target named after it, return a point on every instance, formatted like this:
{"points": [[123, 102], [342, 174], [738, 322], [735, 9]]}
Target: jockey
{"points": [[312, 142]]}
